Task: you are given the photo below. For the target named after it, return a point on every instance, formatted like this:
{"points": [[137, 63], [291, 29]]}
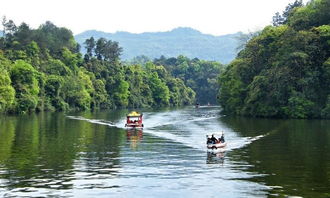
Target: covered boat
{"points": [[134, 120], [213, 142]]}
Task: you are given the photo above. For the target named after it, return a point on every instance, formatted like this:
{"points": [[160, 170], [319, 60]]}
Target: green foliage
{"points": [[326, 110], [160, 91], [7, 92], [283, 71], [55, 67], [288, 12], [103, 49], [121, 93], [298, 107], [314, 14], [41, 70], [100, 94], [200, 76], [24, 80], [75, 94]]}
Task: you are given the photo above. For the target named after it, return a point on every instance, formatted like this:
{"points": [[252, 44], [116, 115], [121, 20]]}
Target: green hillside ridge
{"points": [[180, 41]]}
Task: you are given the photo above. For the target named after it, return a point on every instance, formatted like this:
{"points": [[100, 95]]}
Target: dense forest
{"points": [[283, 71], [200, 75], [42, 70]]}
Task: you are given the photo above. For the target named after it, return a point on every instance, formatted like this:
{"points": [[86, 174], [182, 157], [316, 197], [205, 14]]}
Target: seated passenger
{"points": [[213, 139]]}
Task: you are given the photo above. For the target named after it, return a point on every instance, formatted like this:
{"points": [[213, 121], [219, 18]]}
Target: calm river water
{"points": [[93, 155]]}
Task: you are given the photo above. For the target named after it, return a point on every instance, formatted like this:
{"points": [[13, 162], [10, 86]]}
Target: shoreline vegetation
{"points": [[283, 70], [43, 70]]}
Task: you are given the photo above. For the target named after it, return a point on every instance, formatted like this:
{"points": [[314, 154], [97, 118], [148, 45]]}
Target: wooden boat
{"points": [[134, 120]]}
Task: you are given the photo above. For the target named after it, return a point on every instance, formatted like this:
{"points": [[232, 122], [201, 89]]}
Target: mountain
{"points": [[180, 41]]}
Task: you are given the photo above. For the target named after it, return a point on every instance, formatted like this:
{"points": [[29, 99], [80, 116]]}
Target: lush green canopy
{"points": [[199, 75], [284, 70], [42, 69]]}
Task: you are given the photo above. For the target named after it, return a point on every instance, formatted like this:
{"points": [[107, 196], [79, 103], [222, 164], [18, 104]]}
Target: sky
{"points": [[216, 17]]}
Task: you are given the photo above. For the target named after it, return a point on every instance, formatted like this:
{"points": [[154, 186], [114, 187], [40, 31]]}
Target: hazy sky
{"points": [[215, 17]]}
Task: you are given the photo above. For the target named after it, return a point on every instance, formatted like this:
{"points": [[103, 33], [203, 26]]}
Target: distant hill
{"points": [[179, 41]]}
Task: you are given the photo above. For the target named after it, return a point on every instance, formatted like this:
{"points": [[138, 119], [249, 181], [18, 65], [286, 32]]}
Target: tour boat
{"points": [[213, 143], [134, 120]]}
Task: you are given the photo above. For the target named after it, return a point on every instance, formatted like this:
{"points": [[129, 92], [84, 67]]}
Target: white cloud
{"points": [[208, 16]]}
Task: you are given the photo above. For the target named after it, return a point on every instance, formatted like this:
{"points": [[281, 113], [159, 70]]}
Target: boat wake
{"points": [[187, 130], [94, 121], [240, 142]]}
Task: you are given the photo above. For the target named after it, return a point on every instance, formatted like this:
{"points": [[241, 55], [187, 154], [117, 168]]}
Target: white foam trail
{"points": [[241, 142], [94, 121], [200, 144], [170, 118], [175, 138]]}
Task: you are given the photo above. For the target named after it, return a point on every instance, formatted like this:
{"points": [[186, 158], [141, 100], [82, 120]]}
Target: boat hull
{"points": [[216, 146], [135, 126]]}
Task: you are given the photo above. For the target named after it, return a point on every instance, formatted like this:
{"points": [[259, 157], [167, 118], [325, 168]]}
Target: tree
{"points": [[24, 80], [90, 46], [7, 92], [290, 9], [160, 91], [283, 71], [279, 19], [107, 50]]}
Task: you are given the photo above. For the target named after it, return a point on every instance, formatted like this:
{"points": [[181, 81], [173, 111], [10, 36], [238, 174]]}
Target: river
{"points": [[91, 154]]}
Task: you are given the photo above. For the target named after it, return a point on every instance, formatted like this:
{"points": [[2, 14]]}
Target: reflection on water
{"points": [[215, 158], [134, 136], [90, 154]]}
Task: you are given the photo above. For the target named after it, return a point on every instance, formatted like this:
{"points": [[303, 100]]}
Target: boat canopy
{"points": [[134, 114]]}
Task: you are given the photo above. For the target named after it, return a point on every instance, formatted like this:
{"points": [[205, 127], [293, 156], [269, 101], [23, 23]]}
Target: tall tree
{"points": [[90, 46]]}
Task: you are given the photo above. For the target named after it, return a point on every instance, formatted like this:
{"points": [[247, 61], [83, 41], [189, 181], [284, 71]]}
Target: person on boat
{"points": [[213, 139], [222, 139]]}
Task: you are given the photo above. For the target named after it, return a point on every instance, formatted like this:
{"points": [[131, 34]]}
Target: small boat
{"points": [[134, 120], [213, 143]]}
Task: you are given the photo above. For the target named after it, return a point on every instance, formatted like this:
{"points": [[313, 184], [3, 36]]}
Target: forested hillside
{"points": [[200, 75], [180, 41], [42, 69], [284, 71]]}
